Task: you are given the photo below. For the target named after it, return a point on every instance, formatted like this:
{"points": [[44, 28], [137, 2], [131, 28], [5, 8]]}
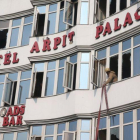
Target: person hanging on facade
{"points": [[112, 77]]}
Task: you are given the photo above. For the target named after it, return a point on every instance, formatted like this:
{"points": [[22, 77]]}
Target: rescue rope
{"points": [[99, 113]]}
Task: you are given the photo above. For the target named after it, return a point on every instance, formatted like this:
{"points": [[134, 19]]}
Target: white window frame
{"points": [[70, 132]]}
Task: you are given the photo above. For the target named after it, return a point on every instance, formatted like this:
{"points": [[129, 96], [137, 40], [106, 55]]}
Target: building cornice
{"points": [[17, 14]]}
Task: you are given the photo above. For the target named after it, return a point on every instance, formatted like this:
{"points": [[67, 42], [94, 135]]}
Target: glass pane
{"points": [[2, 78], [102, 134], [16, 22], [62, 25], [49, 138], [8, 91], [114, 134], [1, 92], [126, 44], [8, 136], [84, 73], [3, 38], [128, 132], [138, 114], [114, 120], [22, 136], [37, 130], [41, 9], [39, 67], [69, 13], [13, 76], [62, 62], [112, 7], [128, 117], [59, 137], [73, 59], [101, 54], [50, 83], [28, 19], [51, 65], [133, 2], [84, 13], [26, 34], [85, 125], [26, 74], [53, 7], [51, 23], [138, 131], [123, 4], [136, 40], [61, 128], [126, 65], [102, 123], [85, 57], [4, 24], [14, 37], [60, 88], [85, 136], [136, 61], [23, 91], [73, 126], [49, 130], [114, 49]]}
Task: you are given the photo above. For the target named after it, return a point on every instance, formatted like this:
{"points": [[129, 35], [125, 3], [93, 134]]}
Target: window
{"points": [[61, 128], [50, 78], [123, 4], [114, 127], [133, 2], [4, 25], [128, 126], [102, 129], [24, 86], [2, 79], [100, 10], [52, 19], [84, 12], [36, 133], [85, 130], [49, 134], [138, 124], [73, 125], [84, 71], [112, 7], [16, 23], [62, 25], [37, 79], [27, 28], [8, 136], [22, 135]]}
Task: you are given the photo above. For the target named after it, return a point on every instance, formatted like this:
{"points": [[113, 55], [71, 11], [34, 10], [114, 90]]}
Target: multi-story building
{"points": [[53, 56]]}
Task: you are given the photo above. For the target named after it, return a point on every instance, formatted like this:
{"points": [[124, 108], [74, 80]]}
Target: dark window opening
{"points": [[38, 84], [14, 92], [3, 38], [62, 5], [40, 24], [101, 10], [75, 13], [74, 76], [102, 135], [114, 64], [123, 4], [112, 7], [126, 65]]}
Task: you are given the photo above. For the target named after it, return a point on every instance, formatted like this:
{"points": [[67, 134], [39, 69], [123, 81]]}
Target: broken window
{"points": [[100, 10], [40, 20], [4, 25], [126, 64], [123, 4], [112, 7], [37, 79]]}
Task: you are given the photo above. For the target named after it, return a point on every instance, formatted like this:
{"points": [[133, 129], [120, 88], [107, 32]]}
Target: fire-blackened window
{"points": [[123, 4], [37, 79], [4, 25]]}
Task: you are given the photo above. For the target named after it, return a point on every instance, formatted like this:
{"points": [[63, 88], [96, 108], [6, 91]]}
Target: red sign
{"points": [[13, 116]]}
